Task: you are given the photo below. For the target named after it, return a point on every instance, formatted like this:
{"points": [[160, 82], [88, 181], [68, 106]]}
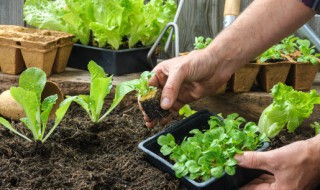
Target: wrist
{"points": [[314, 151]]}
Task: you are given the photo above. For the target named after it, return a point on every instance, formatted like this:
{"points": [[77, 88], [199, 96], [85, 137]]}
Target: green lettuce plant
{"points": [[186, 111], [272, 53], [288, 109], [100, 87], [201, 43], [28, 95], [308, 54], [113, 23], [210, 153], [288, 45]]}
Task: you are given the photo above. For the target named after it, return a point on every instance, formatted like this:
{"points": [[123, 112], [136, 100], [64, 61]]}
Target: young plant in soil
{"points": [[210, 153], [100, 87], [186, 111], [148, 96], [273, 54], [288, 45], [307, 51], [288, 109], [200, 43], [28, 95]]}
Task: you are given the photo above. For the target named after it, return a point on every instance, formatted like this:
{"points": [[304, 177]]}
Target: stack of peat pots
{"points": [[298, 75], [22, 48]]}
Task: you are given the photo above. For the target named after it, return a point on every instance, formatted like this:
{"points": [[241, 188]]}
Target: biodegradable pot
{"points": [[39, 51], [302, 75], [116, 62], [45, 49], [272, 73], [65, 45], [11, 109], [11, 61], [243, 79], [181, 130]]}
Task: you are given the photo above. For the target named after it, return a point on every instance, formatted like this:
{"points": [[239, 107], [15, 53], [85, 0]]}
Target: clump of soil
{"points": [[80, 155]]}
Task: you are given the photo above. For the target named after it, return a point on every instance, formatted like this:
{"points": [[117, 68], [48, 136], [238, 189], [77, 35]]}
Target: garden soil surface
{"points": [[80, 155]]}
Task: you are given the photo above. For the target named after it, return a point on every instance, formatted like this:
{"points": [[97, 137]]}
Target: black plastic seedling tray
{"points": [[181, 130], [115, 62]]}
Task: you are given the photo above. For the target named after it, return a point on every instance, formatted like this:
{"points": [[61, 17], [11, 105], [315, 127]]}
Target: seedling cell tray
{"points": [[116, 62], [181, 130]]}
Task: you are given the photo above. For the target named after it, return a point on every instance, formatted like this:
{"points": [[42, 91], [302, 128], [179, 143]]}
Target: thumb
{"points": [[171, 88], [251, 159]]}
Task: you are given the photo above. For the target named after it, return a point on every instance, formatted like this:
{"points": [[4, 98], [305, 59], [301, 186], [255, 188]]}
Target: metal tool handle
{"points": [[174, 28]]}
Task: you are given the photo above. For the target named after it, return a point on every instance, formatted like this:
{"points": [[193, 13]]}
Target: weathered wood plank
{"points": [[11, 12]]}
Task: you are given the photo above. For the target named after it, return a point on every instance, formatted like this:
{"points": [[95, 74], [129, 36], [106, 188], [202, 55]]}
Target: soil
{"points": [[80, 155]]}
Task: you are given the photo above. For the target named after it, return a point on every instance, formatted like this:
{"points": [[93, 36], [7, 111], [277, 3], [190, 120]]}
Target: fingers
{"points": [[251, 159], [171, 88], [263, 182]]}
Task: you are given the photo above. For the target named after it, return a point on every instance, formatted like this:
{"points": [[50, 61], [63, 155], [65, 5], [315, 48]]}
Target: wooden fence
{"points": [[198, 17]]}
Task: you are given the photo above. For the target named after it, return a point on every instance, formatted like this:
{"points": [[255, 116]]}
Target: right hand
{"points": [[188, 78]]}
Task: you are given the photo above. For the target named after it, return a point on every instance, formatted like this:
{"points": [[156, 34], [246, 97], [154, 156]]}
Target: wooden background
{"points": [[198, 18]]}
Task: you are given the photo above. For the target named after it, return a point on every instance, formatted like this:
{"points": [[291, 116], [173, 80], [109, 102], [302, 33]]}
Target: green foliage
{"points": [[100, 87], [199, 42], [307, 52], [186, 111], [271, 53], [288, 45], [210, 153], [28, 95], [289, 108], [111, 22], [316, 126], [141, 86]]}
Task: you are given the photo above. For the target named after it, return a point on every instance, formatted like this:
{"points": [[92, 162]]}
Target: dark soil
{"points": [[80, 155]]}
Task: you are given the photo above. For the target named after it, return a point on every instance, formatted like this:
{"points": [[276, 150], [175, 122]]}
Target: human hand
{"points": [[188, 78], [294, 167]]}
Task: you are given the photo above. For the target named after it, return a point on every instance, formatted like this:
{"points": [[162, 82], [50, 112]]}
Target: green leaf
{"points": [[166, 150], [46, 108], [34, 80], [166, 140], [61, 111], [95, 71], [230, 170], [7, 125], [231, 162], [31, 106], [186, 111], [289, 107], [217, 172]]}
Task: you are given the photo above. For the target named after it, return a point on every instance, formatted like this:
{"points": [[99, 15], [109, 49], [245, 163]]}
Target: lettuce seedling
{"points": [[148, 96], [271, 54], [100, 87], [186, 111], [199, 42], [210, 153], [28, 95], [308, 54], [288, 45], [316, 126], [288, 109]]}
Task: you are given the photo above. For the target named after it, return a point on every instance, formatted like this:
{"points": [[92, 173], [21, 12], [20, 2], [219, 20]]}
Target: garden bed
{"points": [[82, 156]]}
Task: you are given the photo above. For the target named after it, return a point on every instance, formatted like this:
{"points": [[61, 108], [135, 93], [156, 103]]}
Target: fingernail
{"points": [[165, 103], [238, 157]]}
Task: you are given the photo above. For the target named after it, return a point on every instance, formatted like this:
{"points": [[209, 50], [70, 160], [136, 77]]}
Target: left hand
{"points": [[294, 167]]}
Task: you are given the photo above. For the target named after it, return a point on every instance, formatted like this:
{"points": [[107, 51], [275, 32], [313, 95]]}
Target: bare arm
{"points": [[262, 24], [187, 78]]}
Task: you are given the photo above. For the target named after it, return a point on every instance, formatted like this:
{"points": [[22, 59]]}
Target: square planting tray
{"points": [[180, 130], [116, 62]]}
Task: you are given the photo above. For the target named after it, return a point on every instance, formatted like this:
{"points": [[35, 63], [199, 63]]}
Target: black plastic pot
{"points": [[116, 62], [180, 131]]}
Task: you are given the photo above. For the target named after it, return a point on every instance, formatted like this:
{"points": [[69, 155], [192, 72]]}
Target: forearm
{"points": [[262, 24]]}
